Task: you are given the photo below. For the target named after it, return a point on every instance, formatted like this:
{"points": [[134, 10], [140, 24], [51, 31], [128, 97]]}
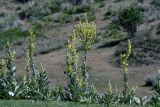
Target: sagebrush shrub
{"points": [[7, 20], [64, 18], [40, 9], [129, 17], [23, 1], [156, 2]]}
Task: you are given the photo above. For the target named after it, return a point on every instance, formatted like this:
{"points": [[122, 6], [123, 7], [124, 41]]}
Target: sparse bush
{"points": [[7, 21], [102, 4], [37, 11], [158, 29], [23, 1], [152, 79], [70, 9], [64, 18], [97, 1], [109, 13], [40, 9], [113, 36], [156, 2], [141, 1], [55, 6], [129, 17], [83, 8]]}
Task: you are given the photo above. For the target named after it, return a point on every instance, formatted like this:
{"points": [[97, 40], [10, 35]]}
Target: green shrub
{"points": [[102, 4], [40, 9], [23, 1], [37, 11], [77, 9], [129, 17], [156, 2], [109, 13], [37, 27], [64, 18], [55, 6], [83, 8], [69, 9], [97, 1], [112, 36], [6, 20], [151, 80]]}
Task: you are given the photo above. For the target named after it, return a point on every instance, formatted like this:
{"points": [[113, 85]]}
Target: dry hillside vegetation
{"points": [[52, 22]]}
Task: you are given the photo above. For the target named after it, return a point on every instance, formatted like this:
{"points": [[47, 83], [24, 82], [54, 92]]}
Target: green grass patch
{"points": [[27, 103], [11, 36]]}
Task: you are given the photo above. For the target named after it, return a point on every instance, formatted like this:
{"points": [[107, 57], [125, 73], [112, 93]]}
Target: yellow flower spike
{"points": [[86, 32], [110, 90], [32, 39]]}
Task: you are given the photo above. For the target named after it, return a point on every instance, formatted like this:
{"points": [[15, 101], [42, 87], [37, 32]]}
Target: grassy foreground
{"points": [[26, 103]]}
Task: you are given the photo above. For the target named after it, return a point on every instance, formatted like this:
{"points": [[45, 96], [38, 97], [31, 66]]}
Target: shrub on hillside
{"points": [[40, 9], [63, 18], [151, 80], [156, 2], [7, 20], [113, 37], [69, 9], [97, 1], [90, 16], [129, 17], [83, 8], [23, 1]]}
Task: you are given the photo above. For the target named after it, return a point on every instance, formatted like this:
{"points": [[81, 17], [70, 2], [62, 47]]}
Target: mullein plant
{"points": [[31, 68], [10, 87], [127, 94], [86, 35], [78, 88], [108, 99], [156, 99], [37, 83], [72, 90]]}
